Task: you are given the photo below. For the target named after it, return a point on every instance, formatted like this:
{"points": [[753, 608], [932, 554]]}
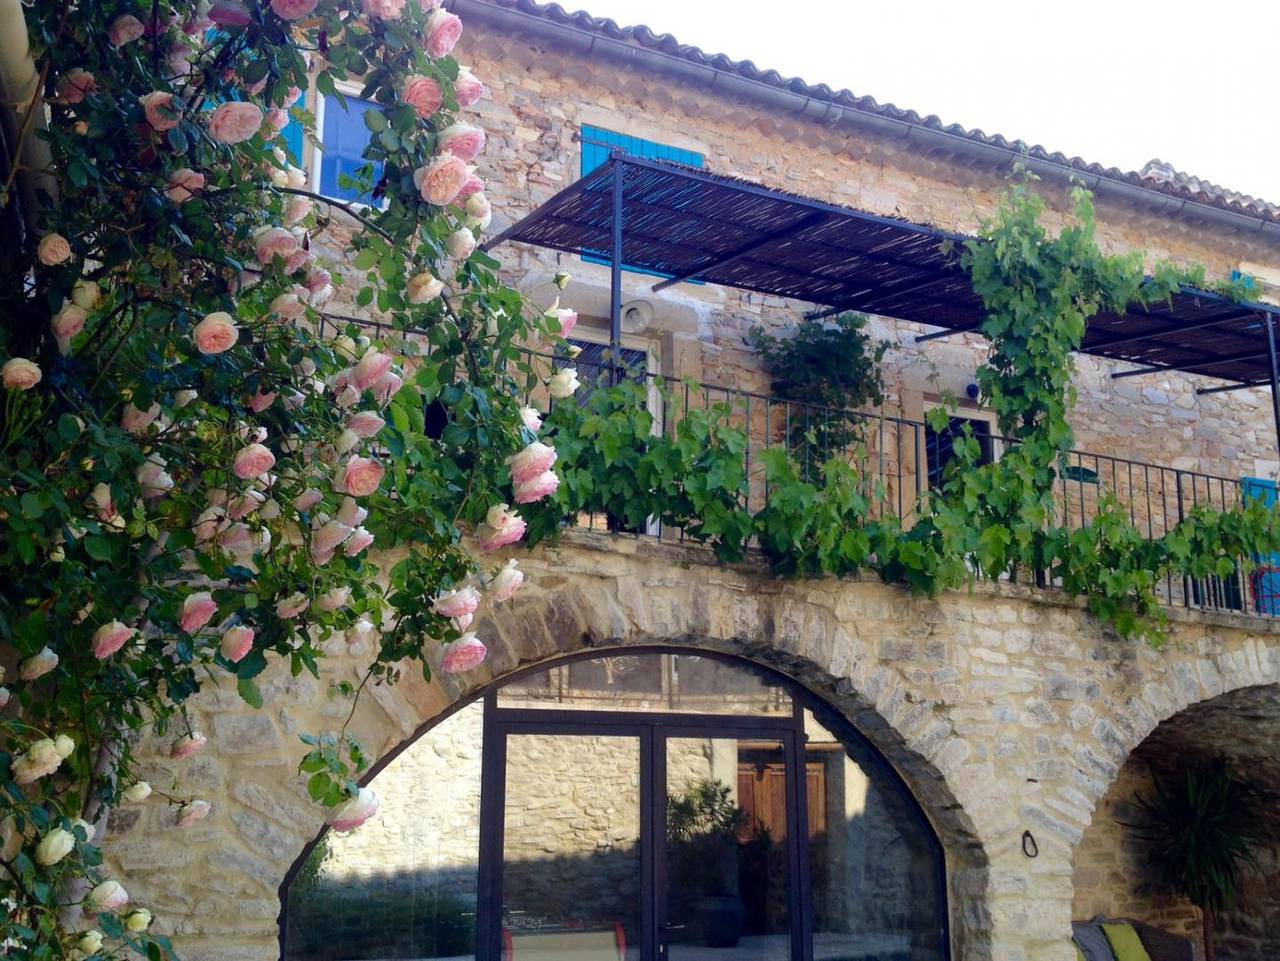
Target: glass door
{"points": [[572, 864], [728, 858]]}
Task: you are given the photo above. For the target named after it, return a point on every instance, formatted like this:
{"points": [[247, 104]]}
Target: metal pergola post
{"points": [[1275, 373], [615, 273]]}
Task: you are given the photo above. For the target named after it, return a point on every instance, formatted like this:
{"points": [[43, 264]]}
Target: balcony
{"points": [[900, 461]]}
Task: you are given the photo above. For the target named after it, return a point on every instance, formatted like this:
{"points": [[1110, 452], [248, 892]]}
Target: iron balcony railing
{"points": [[899, 460], [893, 454]]}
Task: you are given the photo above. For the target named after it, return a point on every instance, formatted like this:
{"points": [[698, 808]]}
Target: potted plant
{"points": [[1200, 830], [703, 825]]}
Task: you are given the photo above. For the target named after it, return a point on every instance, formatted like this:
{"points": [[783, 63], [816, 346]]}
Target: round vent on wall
{"points": [[637, 315]]}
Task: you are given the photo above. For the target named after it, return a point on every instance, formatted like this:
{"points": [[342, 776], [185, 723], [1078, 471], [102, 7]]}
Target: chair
{"points": [[566, 945], [1160, 944]]}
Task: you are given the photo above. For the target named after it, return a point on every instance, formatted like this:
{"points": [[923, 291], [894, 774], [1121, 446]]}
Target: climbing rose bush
{"points": [[198, 459]]}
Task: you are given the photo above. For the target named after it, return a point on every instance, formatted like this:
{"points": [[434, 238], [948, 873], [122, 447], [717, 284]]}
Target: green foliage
{"points": [[1200, 829], [832, 368], [985, 520]]}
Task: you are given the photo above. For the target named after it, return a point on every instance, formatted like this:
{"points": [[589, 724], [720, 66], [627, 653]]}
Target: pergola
{"points": [[686, 224]]}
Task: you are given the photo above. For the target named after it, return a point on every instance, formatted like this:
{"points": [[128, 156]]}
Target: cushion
{"points": [[1091, 942], [1125, 942]]}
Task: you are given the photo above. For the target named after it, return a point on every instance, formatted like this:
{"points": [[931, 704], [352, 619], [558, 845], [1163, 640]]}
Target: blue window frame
{"points": [[343, 137], [1266, 575], [598, 143]]}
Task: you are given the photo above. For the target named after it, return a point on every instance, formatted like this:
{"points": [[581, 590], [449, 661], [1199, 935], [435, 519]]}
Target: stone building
{"points": [[944, 778]]}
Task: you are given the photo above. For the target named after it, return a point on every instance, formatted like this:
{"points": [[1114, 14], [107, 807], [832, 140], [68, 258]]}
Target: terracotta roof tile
{"points": [[1155, 175]]}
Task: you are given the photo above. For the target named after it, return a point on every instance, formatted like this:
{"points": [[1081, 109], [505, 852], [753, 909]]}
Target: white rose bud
{"points": [[137, 792], [137, 920], [54, 846], [109, 896], [89, 943]]}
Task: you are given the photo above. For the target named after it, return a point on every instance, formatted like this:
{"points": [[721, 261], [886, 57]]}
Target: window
{"points": [[630, 805], [343, 137], [598, 143], [593, 364], [939, 446]]}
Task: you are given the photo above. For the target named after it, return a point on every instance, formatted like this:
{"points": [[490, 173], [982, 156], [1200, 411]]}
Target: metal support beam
{"points": [[1109, 342], [615, 273], [1246, 385], [1275, 374], [803, 224], [1192, 368], [949, 332]]}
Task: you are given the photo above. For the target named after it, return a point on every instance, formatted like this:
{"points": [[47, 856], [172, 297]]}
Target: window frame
{"points": [[967, 413], [351, 91]]}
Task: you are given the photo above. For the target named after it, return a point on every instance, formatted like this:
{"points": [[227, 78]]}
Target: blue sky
{"points": [[1117, 82]]}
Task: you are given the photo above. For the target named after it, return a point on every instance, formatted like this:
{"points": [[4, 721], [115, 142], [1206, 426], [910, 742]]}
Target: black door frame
{"points": [[652, 730]]}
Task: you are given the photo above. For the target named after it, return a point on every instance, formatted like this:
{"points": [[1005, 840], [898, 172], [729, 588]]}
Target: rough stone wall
{"points": [[1110, 875], [540, 99], [1005, 710]]}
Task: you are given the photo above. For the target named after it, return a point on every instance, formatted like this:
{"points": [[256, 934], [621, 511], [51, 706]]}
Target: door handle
{"points": [[674, 927]]}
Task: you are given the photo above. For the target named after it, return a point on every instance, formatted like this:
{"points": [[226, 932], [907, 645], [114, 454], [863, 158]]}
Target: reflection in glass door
{"points": [[726, 861], [571, 860]]}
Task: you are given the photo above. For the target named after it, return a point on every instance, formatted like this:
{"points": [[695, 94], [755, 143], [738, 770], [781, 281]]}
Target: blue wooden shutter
{"points": [[598, 143], [343, 140], [1266, 576]]}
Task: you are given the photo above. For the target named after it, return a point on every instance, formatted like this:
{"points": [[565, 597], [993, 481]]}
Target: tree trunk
{"points": [[1207, 922]]}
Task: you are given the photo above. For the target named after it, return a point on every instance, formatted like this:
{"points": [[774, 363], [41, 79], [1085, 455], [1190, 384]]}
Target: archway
{"points": [[1113, 874], [587, 806]]}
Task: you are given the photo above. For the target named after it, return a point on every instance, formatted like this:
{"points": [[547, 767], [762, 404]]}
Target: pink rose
{"points": [[53, 249], [473, 186], [237, 540], [365, 424], [307, 499], [292, 9], [261, 401], [459, 603], [479, 211], [188, 745], [184, 184], [271, 242], [65, 324], [155, 480], [384, 9], [229, 13], [236, 643], [327, 538], [76, 85], [424, 288], [125, 28], [462, 140], [197, 610], [351, 513], [160, 110], [318, 279], [507, 581], [109, 638], [292, 606], [530, 462], [298, 260], [463, 654], [334, 599], [287, 306], [568, 320], [537, 487], [423, 94], [467, 88], [530, 418], [191, 812], [276, 119], [371, 368], [216, 333], [253, 460], [359, 476], [137, 421], [358, 541], [442, 33], [18, 373], [441, 181], [501, 527], [235, 121], [353, 812], [387, 388]]}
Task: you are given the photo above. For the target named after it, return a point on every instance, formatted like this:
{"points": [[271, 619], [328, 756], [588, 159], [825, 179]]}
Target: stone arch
{"points": [[583, 601], [1240, 724]]}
